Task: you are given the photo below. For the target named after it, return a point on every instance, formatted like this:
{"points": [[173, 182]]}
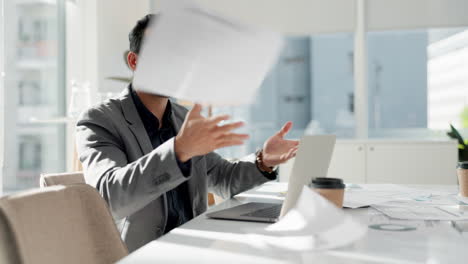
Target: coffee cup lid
{"points": [[328, 183], [463, 165]]}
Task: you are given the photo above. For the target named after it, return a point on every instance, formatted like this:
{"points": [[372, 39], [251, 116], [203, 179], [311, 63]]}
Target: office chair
{"points": [[50, 179], [58, 224]]}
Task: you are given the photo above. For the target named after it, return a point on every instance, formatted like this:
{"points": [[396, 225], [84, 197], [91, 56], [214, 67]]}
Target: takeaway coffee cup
{"points": [[462, 171], [330, 188]]}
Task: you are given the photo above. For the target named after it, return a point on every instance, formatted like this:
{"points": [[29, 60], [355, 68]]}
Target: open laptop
{"points": [[312, 161]]}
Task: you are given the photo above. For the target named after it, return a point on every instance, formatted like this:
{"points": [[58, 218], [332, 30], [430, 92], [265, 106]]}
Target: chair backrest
{"points": [[50, 179], [58, 224]]}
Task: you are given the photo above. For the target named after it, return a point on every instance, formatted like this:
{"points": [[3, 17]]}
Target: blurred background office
{"points": [[59, 56]]}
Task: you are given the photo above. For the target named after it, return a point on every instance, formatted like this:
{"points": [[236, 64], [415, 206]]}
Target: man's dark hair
{"points": [[136, 35]]}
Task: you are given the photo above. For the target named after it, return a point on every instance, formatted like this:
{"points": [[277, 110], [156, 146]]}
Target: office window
{"points": [[417, 86], [332, 85], [417, 82], [30, 155], [35, 88]]}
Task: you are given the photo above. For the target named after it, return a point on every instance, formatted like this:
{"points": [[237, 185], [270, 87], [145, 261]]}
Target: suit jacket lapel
{"points": [[176, 120], [197, 190], [134, 122]]}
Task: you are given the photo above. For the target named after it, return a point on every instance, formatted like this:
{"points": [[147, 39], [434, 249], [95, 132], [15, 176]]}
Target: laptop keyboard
{"points": [[268, 212]]}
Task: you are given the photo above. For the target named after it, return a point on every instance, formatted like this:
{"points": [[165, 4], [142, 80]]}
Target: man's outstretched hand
{"points": [[199, 135], [277, 150]]}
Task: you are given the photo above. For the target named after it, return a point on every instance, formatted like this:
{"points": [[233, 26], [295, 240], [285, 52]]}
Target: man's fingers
{"points": [[292, 153], [233, 136], [289, 155], [227, 128], [216, 119], [195, 111], [229, 143], [285, 129], [293, 142]]}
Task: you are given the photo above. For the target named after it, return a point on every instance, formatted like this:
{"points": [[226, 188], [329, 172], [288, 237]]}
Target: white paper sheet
{"points": [[369, 194], [196, 55], [412, 211], [313, 224]]}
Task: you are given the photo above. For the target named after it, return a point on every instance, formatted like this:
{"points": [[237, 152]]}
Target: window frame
{"points": [[2, 94]]}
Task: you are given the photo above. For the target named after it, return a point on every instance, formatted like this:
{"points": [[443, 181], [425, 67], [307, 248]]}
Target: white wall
{"points": [[115, 20], [319, 16], [293, 16], [97, 37], [410, 14]]}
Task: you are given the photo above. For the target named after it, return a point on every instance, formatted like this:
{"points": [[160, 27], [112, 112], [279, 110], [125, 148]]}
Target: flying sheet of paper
{"points": [[196, 55], [313, 224]]}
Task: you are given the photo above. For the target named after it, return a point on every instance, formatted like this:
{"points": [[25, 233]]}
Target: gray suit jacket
{"points": [[119, 161]]}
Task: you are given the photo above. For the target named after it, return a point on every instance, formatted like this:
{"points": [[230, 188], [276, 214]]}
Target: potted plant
{"points": [[462, 144]]}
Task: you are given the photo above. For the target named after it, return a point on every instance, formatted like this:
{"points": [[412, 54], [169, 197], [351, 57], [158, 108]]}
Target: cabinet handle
{"points": [[371, 148], [359, 149]]}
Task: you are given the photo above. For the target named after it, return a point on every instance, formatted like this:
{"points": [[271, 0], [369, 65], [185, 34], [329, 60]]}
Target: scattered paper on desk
{"points": [[313, 224], [370, 194], [414, 211], [197, 55]]}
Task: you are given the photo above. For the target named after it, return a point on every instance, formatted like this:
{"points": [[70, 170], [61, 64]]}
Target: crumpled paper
{"points": [[313, 223]]}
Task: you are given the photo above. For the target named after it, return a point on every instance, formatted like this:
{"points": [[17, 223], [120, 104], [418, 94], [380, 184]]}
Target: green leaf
{"points": [[464, 117], [455, 135]]}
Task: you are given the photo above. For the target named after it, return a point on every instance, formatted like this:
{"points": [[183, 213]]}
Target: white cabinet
{"points": [[391, 161], [349, 162], [412, 163]]}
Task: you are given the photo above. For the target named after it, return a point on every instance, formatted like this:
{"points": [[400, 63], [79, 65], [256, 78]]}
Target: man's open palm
{"points": [[277, 150]]}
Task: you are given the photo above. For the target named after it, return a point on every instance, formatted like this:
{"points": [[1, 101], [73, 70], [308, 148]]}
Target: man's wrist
{"points": [[261, 164], [181, 155]]}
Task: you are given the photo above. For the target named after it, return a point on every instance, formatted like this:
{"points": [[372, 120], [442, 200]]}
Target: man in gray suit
{"points": [[153, 161]]}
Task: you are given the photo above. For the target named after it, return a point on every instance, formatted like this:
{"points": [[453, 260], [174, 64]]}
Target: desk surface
{"points": [[204, 240]]}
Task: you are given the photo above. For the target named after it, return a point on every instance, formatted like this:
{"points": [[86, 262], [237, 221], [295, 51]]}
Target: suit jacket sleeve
{"points": [[228, 178], [126, 186]]}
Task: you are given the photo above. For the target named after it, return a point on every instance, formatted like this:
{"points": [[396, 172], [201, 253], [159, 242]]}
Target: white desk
{"points": [[204, 240]]}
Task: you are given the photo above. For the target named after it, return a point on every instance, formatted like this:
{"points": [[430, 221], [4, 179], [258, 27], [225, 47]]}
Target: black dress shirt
{"points": [[178, 202]]}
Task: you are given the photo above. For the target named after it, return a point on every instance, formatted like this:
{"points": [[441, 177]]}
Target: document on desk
{"points": [[412, 210], [370, 194], [313, 224], [193, 54]]}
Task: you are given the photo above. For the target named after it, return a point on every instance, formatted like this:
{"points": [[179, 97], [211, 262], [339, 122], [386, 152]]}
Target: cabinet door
{"points": [[412, 163], [348, 163]]}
